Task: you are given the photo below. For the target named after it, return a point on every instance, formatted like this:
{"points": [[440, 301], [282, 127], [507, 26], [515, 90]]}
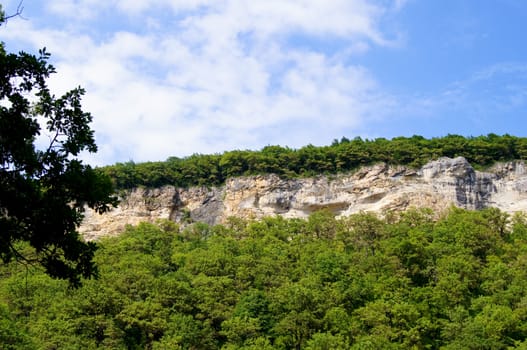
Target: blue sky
{"points": [[177, 77]]}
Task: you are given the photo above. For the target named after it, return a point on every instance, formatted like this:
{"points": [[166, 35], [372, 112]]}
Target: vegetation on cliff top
{"points": [[356, 283], [341, 156]]}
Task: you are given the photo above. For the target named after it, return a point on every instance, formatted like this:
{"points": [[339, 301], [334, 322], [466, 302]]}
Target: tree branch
{"points": [[22, 258], [18, 13]]}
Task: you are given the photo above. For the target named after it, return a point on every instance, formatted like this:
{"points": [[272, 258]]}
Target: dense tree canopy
{"points": [[362, 282], [341, 156], [43, 190]]}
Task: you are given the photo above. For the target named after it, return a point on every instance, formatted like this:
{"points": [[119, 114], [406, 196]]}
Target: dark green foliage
{"points": [[405, 282], [341, 156], [43, 190]]}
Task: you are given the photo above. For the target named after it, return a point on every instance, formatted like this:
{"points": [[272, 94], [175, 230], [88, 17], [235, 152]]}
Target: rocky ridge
{"points": [[380, 187]]}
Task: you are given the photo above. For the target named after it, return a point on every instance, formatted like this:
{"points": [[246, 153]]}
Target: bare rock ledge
{"points": [[437, 185]]}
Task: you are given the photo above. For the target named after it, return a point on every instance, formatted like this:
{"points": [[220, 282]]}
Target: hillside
{"points": [[295, 262], [402, 282], [379, 188]]}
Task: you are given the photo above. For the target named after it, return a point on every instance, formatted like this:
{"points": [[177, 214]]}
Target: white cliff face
{"points": [[437, 185]]}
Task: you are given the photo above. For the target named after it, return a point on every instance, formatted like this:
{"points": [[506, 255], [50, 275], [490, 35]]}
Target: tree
{"points": [[44, 190]]}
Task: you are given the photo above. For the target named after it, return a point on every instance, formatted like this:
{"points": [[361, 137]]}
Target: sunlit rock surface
{"points": [[379, 188]]}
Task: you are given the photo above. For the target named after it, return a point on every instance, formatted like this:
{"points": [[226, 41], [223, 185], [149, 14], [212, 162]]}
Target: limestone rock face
{"points": [[437, 185]]}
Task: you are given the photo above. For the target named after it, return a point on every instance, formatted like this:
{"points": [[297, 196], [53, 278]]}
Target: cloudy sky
{"points": [[177, 77]]}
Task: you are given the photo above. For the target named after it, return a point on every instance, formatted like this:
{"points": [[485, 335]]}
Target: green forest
{"points": [[341, 156], [411, 280], [404, 281]]}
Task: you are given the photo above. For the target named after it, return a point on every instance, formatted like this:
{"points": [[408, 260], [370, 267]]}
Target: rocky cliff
{"points": [[437, 185]]}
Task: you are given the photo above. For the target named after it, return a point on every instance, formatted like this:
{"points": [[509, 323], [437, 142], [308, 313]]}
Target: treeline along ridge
{"points": [[340, 156]]}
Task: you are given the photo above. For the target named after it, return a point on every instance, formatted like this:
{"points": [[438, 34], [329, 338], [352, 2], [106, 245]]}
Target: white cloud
{"points": [[79, 9], [215, 75]]}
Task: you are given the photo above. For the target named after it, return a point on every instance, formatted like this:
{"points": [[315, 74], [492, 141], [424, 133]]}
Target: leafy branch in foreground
{"points": [[44, 190]]}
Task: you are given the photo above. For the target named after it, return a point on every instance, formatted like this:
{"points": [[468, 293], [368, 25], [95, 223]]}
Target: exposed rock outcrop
{"points": [[437, 185]]}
